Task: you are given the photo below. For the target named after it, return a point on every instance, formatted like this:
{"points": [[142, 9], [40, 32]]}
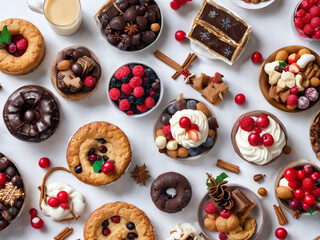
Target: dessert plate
{"points": [[251, 6], [256, 213]]}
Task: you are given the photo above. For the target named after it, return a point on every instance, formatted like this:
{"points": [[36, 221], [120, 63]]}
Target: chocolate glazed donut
{"points": [[166, 202], [31, 113]]}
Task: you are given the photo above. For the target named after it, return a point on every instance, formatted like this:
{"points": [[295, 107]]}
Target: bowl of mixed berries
{"points": [[306, 19], [297, 188], [135, 89]]}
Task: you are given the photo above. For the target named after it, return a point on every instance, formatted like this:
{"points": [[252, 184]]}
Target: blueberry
{"points": [[139, 101], [132, 235], [78, 169], [131, 99], [171, 109], [153, 78], [131, 226], [208, 142], [193, 151], [191, 104], [105, 224], [148, 72], [116, 84], [91, 151], [125, 80]]}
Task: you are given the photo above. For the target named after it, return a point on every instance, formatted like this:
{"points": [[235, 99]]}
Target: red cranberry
{"points": [[184, 122], [315, 176], [12, 48], [22, 44], [305, 206], [37, 223], [225, 213], [316, 192], [299, 193], [294, 184], [33, 212], [258, 130], [240, 99], [63, 196], [210, 208], [295, 204], [93, 157], [115, 219], [308, 169], [108, 167], [256, 57], [44, 162], [106, 231], [301, 174], [310, 200], [290, 174], [65, 206], [180, 36], [3, 179], [267, 140], [102, 149], [262, 121], [281, 233], [223, 236], [308, 184], [53, 202]]}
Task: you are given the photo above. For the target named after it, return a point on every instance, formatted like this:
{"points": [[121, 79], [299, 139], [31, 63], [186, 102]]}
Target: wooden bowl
{"points": [[313, 120], [256, 213], [264, 79], [158, 124], [256, 113], [298, 164]]}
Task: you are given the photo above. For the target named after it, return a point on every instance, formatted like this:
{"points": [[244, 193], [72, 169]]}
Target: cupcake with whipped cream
{"points": [[185, 129], [259, 137]]}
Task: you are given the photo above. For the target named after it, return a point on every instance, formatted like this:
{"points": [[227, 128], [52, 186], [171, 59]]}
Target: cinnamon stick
{"points": [[227, 166], [167, 60], [280, 215], [186, 64], [64, 234]]}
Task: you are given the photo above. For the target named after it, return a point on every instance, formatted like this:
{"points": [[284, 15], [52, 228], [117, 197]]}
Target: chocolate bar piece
{"points": [[213, 42], [224, 21], [243, 204], [87, 64]]}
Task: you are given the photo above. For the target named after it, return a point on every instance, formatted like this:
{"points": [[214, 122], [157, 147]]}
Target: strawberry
{"points": [[294, 68], [195, 127], [193, 134], [293, 58]]}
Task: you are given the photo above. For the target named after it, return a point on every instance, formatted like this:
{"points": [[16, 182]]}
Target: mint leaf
{"points": [[208, 183], [97, 166], [5, 35], [311, 210], [282, 64], [221, 177], [318, 198]]}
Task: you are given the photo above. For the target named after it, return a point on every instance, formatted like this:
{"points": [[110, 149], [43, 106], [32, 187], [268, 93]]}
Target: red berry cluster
{"points": [[305, 184], [210, 208], [191, 128], [61, 200], [18, 45], [307, 18], [135, 88], [176, 4], [248, 124], [35, 221]]}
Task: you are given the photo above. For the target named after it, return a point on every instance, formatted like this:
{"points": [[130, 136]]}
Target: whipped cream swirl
{"points": [[76, 202], [183, 231], [261, 155], [181, 135]]}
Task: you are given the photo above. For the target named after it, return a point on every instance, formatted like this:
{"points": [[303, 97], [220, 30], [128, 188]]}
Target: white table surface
{"points": [[271, 30]]}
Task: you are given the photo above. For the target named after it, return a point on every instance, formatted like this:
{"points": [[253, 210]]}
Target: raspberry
{"points": [[315, 11], [152, 93], [124, 104], [175, 5], [135, 82], [169, 136], [301, 13], [22, 44], [126, 88], [292, 100], [166, 129], [129, 112], [298, 23], [315, 22], [138, 71], [149, 102], [210, 208], [138, 92], [142, 108], [308, 30], [89, 81], [306, 18], [246, 123], [114, 94], [124, 71]]}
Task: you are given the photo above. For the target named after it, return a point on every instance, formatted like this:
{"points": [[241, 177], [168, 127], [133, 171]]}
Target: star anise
{"points": [[140, 174], [116, 36], [131, 29]]}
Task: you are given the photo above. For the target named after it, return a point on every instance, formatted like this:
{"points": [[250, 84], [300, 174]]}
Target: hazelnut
{"points": [[303, 51], [262, 191], [159, 132], [173, 154], [287, 150], [315, 82], [282, 55], [182, 152], [155, 27], [64, 65]]}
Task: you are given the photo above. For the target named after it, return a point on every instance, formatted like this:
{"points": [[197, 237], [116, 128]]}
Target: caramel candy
{"points": [[315, 82], [262, 191], [172, 153], [303, 51], [182, 152], [159, 132]]}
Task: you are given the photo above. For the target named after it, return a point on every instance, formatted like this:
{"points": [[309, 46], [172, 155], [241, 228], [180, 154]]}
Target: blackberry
{"points": [[123, 95], [125, 80], [153, 78], [139, 101], [148, 72], [115, 83], [132, 99], [132, 66], [156, 96]]}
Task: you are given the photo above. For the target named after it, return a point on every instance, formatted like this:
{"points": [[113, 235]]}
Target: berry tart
{"points": [[186, 129], [315, 135], [129, 25], [135, 89], [229, 211], [297, 188], [118, 220], [306, 19], [259, 137], [12, 192], [22, 47], [289, 78], [59, 200], [98, 153], [32, 113], [75, 72]]}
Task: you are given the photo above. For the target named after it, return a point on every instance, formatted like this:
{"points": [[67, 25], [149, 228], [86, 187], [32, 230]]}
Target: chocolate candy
{"points": [[142, 23], [135, 39], [3, 164], [84, 51], [118, 23], [10, 172], [77, 69], [76, 55], [23, 102], [130, 14], [165, 118], [17, 180], [69, 52], [3, 224]]}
